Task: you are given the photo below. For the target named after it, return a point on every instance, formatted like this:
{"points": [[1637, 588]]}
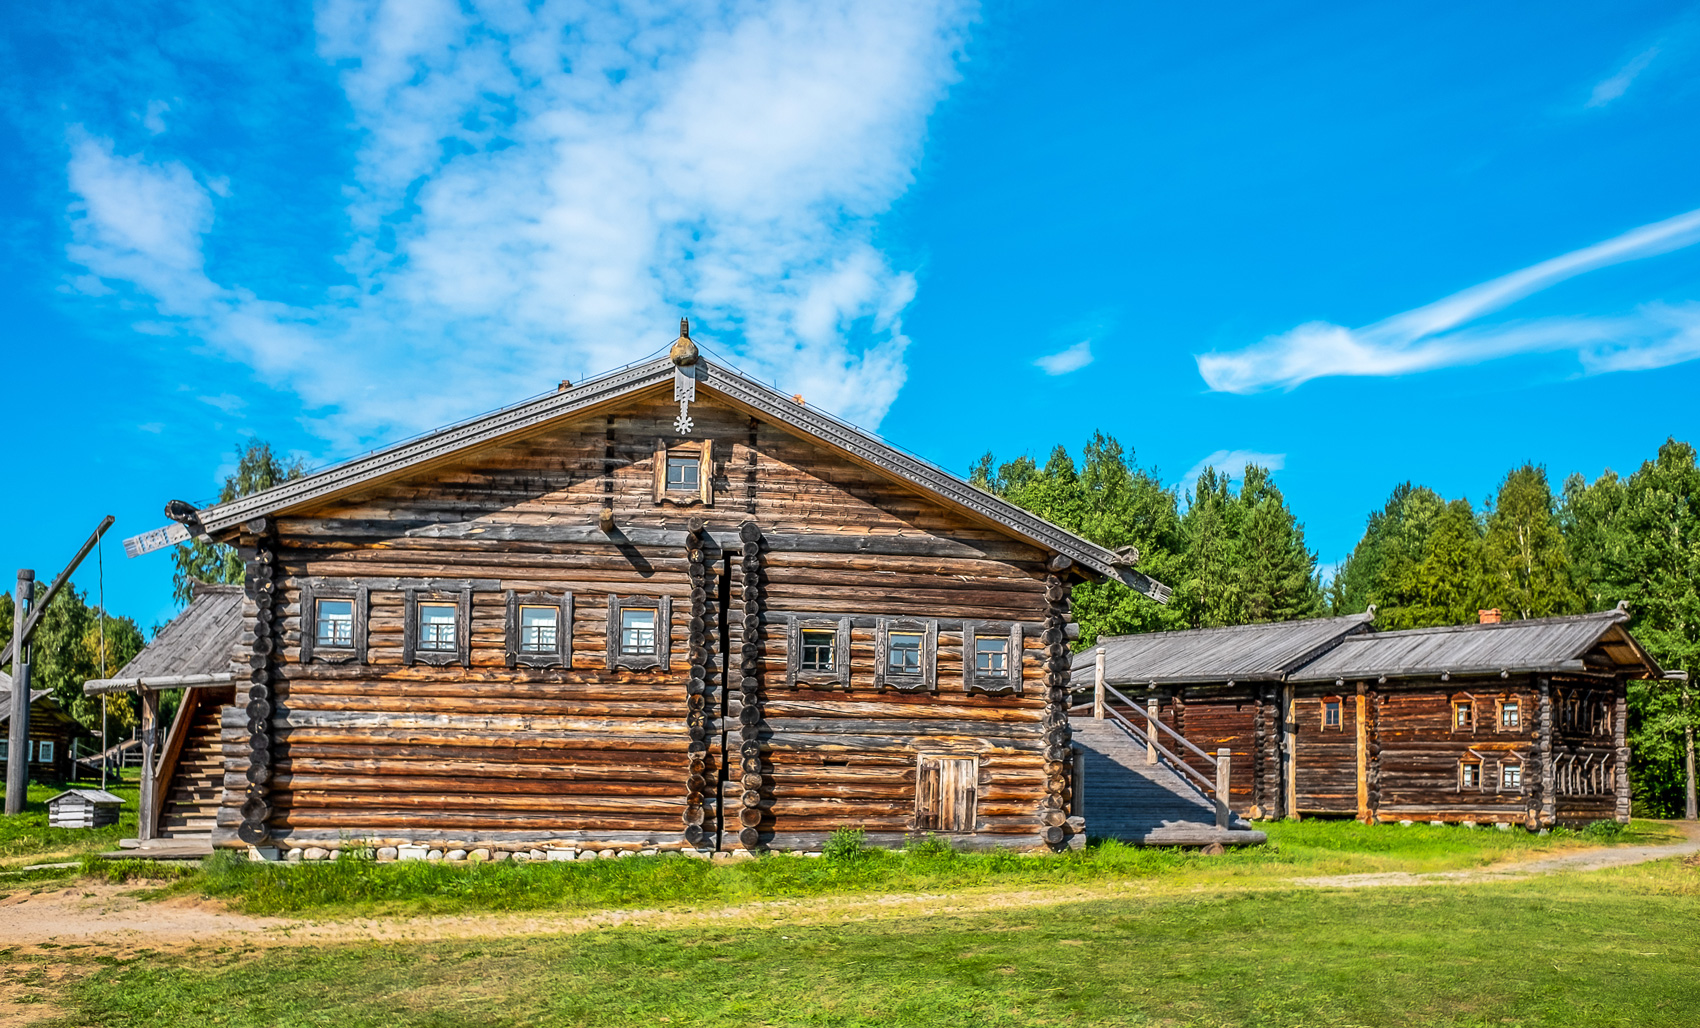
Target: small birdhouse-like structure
{"points": [[83, 808]]}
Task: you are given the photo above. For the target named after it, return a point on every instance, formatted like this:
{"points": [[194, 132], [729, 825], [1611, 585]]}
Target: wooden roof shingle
{"points": [[1260, 652], [199, 641]]}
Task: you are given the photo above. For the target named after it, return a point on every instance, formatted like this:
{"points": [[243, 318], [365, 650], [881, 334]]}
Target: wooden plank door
{"points": [[945, 790]]}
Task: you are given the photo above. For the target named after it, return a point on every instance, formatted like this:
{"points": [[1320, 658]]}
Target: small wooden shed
{"points": [[83, 808]]}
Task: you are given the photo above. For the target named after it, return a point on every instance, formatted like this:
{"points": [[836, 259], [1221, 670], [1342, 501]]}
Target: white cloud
{"points": [[541, 190], [153, 119], [1439, 334], [1232, 463], [1612, 88], [1072, 359]]}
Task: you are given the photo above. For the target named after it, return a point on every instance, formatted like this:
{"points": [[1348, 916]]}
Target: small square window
{"points": [[335, 623], [637, 633], [1510, 715], [903, 653], [682, 474], [817, 651], [44, 751], [437, 627], [1331, 713], [1470, 775], [1461, 714], [1511, 776], [537, 629], [991, 655]]}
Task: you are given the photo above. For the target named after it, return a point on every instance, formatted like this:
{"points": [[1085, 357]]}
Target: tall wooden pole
{"points": [[1098, 690], [148, 801], [1690, 810], [18, 743]]}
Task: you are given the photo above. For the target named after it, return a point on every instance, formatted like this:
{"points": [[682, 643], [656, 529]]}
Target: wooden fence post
{"points": [[1223, 777], [1098, 686], [1151, 711]]}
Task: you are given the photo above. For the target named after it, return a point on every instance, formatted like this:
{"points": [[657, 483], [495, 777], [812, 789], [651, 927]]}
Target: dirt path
{"points": [[1583, 860], [109, 919]]}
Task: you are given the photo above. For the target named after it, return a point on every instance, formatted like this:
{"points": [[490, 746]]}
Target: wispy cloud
{"points": [[1072, 359], [540, 191], [1440, 334], [1232, 463], [1610, 89]]}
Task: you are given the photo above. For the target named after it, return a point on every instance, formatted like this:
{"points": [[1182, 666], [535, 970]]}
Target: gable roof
{"points": [[42, 705], [1536, 645], [198, 641], [728, 384], [1261, 652]]}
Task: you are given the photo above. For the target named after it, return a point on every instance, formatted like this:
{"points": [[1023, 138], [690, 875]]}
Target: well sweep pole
{"points": [[18, 743]]}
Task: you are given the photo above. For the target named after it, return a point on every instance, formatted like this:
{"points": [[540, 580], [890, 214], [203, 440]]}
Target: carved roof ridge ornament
{"points": [[684, 356]]}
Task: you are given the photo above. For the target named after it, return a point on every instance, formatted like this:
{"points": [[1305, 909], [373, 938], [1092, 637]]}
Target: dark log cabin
{"points": [[53, 731], [665, 609], [1519, 722]]}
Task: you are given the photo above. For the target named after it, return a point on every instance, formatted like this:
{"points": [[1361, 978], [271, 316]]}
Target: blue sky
{"points": [[1358, 243]]}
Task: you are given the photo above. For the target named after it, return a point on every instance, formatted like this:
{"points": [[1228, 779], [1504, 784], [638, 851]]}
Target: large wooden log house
{"points": [[1516, 722], [666, 608]]}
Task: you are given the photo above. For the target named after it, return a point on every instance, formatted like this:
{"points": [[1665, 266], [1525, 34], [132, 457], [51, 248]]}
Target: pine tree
{"points": [[1526, 558]]}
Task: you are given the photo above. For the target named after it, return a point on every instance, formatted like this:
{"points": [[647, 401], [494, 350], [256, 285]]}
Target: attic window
{"points": [[438, 629], [333, 621], [684, 473]]}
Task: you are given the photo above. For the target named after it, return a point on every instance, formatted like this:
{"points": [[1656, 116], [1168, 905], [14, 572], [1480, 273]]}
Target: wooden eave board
{"points": [[1544, 644], [591, 398]]}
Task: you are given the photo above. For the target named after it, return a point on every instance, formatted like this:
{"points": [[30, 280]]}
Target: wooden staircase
{"points": [[1150, 804], [195, 785]]}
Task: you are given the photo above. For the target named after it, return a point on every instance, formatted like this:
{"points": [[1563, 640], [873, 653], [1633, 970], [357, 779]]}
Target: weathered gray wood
{"points": [[148, 804], [18, 738]]}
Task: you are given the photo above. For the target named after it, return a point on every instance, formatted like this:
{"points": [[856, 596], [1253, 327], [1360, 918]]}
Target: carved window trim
{"points": [[1469, 768], [703, 451], [562, 655], [928, 678], [795, 675], [1339, 712], [411, 654], [662, 658], [314, 590], [1007, 684], [1510, 764], [1468, 702], [1500, 705]]}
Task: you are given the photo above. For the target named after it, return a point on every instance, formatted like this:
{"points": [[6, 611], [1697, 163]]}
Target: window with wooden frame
{"points": [[438, 627], [991, 657], [1469, 774], [640, 633], [1510, 715], [684, 473], [946, 789], [1331, 714], [540, 629], [906, 655], [817, 652], [1463, 713], [333, 622], [1511, 777]]}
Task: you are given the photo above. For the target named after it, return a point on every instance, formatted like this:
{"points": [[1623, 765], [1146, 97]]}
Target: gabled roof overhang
{"points": [[755, 398]]}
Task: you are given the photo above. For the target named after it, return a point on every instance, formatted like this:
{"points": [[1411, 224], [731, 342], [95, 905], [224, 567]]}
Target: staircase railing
{"points": [[1102, 708]]}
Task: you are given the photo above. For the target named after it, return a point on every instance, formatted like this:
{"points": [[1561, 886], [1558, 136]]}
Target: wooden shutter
{"points": [[945, 793]]}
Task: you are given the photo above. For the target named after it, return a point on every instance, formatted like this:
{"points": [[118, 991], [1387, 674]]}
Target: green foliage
{"points": [[67, 652], [845, 845], [25, 837], [257, 469], [1231, 557], [1526, 560]]}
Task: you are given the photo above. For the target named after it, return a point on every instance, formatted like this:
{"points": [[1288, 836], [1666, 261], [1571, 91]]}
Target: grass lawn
{"points": [[1606, 948], [349, 888], [25, 838]]}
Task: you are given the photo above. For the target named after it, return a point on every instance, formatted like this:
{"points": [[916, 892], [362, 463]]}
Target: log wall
{"points": [[717, 747]]}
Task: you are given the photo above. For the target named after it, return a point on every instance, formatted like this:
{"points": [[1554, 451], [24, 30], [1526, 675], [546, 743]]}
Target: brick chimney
{"points": [[1488, 617]]}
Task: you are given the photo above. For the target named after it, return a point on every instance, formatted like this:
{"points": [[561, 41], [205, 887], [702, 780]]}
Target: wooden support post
{"points": [[1620, 755], [1363, 759], [18, 743], [147, 814], [1290, 754], [1223, 780], [1152, 711], [1549, 787], [1098, 699]]}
